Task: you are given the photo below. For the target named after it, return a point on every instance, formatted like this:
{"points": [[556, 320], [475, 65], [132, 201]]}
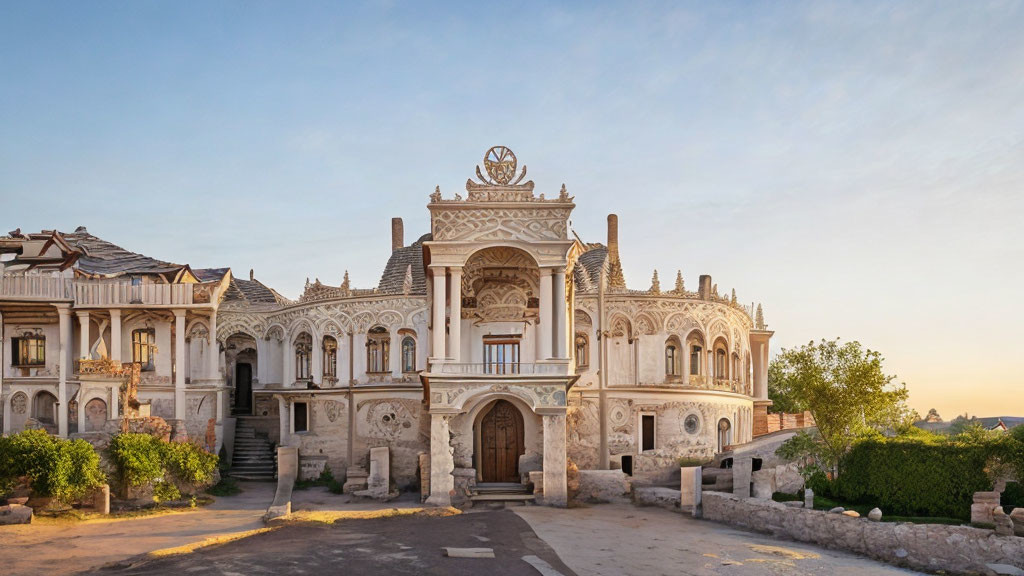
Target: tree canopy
{"points": [[844, 387]]}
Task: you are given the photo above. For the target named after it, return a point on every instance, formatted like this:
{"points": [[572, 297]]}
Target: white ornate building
{"points": [[497, 345]]}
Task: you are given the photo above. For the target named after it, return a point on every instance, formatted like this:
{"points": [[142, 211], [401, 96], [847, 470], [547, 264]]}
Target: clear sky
{"points": [[858, 168]]}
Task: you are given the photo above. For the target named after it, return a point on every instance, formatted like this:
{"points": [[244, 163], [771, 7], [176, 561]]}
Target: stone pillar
{"points": [[555, 489], [442, 462], [287, 362], [741, 470], [64, 329], [544, 332], [113, 410], [83, 333], [685, 363], [213, 357], [437, 351], [284, 421], [115, 335], [559, 309], [316, 361], [179, 365], [455, 326], [759, 357], [341, 361], [395, 355], [3, 347]]}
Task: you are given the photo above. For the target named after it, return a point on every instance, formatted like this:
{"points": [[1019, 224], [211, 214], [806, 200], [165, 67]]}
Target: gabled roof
{"points": [[252, 292], [590, 263], [102, 258], [210, 274]]}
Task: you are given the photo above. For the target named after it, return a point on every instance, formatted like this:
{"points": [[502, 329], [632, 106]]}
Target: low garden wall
{"points": [[931, 547]]}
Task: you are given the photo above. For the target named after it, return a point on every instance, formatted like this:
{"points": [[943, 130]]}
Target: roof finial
{"points": [[655, 283], [733, 295], [679, 282], [344, 283], [759, 319]]}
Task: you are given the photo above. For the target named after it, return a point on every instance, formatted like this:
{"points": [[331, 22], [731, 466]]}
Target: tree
{"points": [[845, 389], [781, 392]]}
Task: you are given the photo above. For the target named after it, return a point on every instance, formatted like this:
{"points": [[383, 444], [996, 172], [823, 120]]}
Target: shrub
{"points": [[226, 487], [165, 492], [65, 470], [923, 477], [137, 457], [189, 463], [1013, 496]]}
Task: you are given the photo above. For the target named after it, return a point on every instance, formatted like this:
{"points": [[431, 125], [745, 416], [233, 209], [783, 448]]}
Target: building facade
{"points": [[496, 345]]}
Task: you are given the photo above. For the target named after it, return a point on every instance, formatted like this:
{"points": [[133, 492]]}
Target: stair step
{"points": [[501, 497]]}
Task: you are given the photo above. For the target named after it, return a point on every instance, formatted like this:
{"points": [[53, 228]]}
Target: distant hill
{"points": [[990, 423]]}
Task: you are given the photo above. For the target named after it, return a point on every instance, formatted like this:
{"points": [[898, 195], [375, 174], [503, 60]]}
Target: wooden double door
{"points": [[501, 443]]}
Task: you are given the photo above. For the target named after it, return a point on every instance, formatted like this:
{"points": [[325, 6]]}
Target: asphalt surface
{"points": [[383, 546]]}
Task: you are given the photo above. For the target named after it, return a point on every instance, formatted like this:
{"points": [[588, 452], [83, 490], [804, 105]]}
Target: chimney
{"points": [[613, 237], [397, 234], [251, 275], [705, 286]]}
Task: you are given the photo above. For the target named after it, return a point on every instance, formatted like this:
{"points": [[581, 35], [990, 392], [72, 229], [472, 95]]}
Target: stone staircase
{"points": [[501, 495], [254, 457]]}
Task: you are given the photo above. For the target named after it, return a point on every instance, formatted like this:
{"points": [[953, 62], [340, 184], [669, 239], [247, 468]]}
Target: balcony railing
{"points": [[501, 369], [30, 287], [100, 293]]}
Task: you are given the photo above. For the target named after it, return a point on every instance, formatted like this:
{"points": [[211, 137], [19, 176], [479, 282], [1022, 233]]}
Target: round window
{"points": [[691, 424]]}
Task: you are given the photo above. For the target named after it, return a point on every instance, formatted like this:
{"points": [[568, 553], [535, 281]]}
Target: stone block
{"points": [[763, 483], [793, 504], [101, 500], [1017, 517], [809, 499], [666, 498], [788, 479], [15, 514], [1002, 522], [528, 463], [875, 515], [355, 479], [981, 509], [537, 479], [600, 486], [741, 471], [690, 488]]}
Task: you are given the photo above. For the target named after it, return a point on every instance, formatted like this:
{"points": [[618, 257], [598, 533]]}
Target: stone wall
{"points": [[931, 547]]}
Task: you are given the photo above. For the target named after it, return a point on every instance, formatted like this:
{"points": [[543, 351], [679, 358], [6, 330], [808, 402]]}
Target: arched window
{"points": [[303, 356], [721, 369], [582, 350], [44, 408], [724, 434], [672, 359], [378, 345], [330, 358], [695, 354], [408, 354], [144, 347]]}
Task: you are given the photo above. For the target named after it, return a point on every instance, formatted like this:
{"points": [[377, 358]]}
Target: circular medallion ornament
{"points": [[500, 164], [691, 424], [618, 415]]}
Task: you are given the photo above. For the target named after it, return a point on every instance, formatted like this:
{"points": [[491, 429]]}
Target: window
{"points": [[29, 350], [582, 350], [671, 360], [408, 354], [378, 350], [144, 347], [646, 432], [303, 356], [501, 355], [721, 371], [724, 434], [301, 411], [695, 360], [330, 357]]}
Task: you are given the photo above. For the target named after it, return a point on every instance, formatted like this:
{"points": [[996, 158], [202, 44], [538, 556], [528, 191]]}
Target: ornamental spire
{"points": [[655, 283], [680, 288]]}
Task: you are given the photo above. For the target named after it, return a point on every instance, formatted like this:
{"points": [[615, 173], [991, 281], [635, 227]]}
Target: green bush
{"points": [[138, 458], [923, 476], [189, 463], [165, 492], [1013, 496], [65, 470], [141, 459]]}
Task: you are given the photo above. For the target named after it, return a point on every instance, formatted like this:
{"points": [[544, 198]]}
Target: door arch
{"points": [[501, 443]]}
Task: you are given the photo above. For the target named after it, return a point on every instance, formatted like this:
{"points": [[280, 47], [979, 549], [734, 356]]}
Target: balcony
{"points": [[502, 370], [102, 294]]}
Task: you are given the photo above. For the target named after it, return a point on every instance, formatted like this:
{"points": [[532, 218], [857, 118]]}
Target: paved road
{"points": [[67, 548], [620, 539], [383, 546]]}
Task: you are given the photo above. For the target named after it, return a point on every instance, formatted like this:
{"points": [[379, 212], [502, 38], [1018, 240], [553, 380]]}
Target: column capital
{"points": [[115, 312], [546, 270], [63, 309], [82, 314], [179, 312]]}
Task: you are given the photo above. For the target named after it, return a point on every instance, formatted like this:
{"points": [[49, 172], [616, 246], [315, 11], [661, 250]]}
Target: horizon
{"points": [[857, 170]]}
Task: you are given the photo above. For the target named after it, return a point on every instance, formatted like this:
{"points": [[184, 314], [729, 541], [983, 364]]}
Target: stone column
{"points": [[179, 365], [341, 360], [710, 366], [114, 410], [115, 335], [83, 333], [284, 421], [437, 351], [559, 309], [316, 368], [455, 327], [3, 348], [555, 489], [213, 357], [287, 361], [64, 329], [442, 463], [685, 363], [544, 332], [395, 355]]}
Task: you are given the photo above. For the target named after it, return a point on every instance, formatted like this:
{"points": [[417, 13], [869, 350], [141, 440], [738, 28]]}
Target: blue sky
{"points": [[856, 167]]}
